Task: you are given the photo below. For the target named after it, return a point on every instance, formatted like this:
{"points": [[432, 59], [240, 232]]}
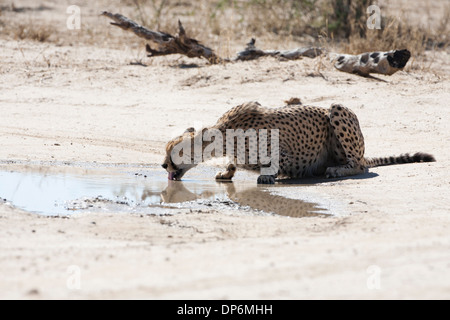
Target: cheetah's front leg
{"points": [[266, 179]]}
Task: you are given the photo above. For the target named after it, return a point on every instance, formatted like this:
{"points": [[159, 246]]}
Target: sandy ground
{"points": [[389, 239]]}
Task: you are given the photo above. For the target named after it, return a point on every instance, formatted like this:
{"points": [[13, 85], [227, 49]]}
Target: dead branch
{"points": [[251, 53], [162, 43], [165, 43], [386, 63]]}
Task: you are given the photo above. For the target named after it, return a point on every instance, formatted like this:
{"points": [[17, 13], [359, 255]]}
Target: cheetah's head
{"points": [[176, 162]]}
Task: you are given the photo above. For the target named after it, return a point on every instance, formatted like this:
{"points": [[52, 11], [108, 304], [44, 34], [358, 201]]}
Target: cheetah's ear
{"points": [[190, 130]]}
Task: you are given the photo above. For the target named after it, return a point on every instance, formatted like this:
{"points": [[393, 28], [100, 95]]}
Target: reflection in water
{"points": [[56, 191], [258, 198], [263, 200], [176, 192]]}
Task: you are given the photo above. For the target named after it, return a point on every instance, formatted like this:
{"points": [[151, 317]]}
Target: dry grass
{"points": [[339, 21], [226, 24], [31, 31], [24, 27], [393, 35], [397, 32], [242, 18]]}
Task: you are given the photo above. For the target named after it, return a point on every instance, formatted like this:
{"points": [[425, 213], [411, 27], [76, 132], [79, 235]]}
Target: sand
{"points": [[388, 235]]}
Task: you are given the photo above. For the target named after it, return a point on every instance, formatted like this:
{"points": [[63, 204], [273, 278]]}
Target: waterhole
{"points": [[64, 190]]}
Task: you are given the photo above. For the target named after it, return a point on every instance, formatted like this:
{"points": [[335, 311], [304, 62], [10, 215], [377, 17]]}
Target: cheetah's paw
{"points": [[266, 180]]}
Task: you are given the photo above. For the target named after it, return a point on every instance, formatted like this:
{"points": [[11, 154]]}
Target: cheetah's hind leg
{"points": [[348, 143], [228, 174]]}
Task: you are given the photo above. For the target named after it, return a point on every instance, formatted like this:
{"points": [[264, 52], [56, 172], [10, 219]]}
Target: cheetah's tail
{"points": [[404, 158]]}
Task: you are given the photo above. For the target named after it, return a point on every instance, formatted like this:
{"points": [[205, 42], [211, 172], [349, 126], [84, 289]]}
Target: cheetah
{"points": [[313, 141]]}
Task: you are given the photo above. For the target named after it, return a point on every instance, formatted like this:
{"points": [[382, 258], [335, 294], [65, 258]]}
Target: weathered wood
{"points": [[165, 43], [386, 63], [301, 52], [251, 53], [162, 43]]}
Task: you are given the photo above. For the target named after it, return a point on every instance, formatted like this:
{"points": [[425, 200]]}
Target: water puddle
{"points": [[64, 190]]}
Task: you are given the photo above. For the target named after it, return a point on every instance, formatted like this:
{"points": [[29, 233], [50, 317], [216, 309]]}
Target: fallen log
{"points": [[386, 63], [251, 53], [165, 43], [162, 43]]}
